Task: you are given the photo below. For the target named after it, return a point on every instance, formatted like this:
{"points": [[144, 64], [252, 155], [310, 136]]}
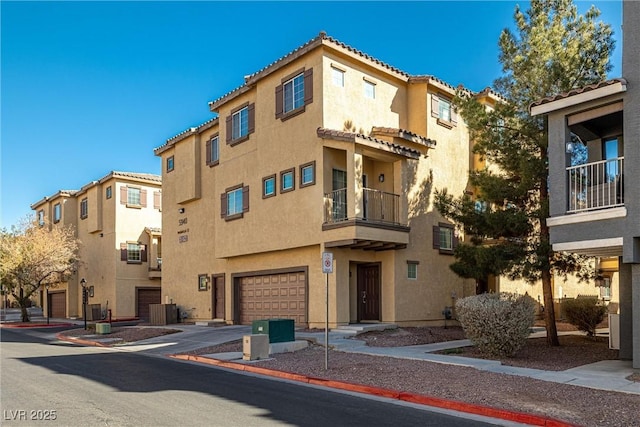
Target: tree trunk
{"points": [[545, 242], [22, 301], [549, 313]]}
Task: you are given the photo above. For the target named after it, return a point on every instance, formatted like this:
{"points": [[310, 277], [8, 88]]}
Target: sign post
{"points": [[327, 268]]}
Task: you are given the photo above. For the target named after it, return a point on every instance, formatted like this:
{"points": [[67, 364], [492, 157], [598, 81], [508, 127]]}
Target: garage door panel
{"points": [[146, 297], [273, 296], [58, 304]]}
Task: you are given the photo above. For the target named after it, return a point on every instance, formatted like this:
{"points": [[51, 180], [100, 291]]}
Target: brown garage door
{"points": [[57, 304], [146, 297], [281, 295]]}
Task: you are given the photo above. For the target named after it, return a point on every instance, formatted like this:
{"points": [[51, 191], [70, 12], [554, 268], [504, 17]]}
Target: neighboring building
{"points": [[595, 196], [117, 220]]}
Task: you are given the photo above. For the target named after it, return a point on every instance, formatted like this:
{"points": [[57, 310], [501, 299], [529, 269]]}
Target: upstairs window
{"points": [[234, 202], [57, 212], [268, 186], [84, 208], [295, 92], [240, 124], [287, 180], [337, 77], [307, 174], [369, 89], [41, 218], [443, 110], [213, 151], [133, 252], [412, 270], [133, 196], [169, 164], [109, 192], [444, 238]]}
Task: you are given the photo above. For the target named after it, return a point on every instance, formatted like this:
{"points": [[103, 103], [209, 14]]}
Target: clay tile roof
{"points": [[577, 91], [136, 175], [404, 134], [351, 137], [153, 230]]}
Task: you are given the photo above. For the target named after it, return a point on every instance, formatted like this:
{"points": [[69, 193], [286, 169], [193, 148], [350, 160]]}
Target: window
{"points": [[84, 208], [133, 252], [442, 109], [337, 77], [240, 123], [605, 289], [57, 212], [268, 186], [307, 174], [287, 180], [234, 202], [444, 238], [169, 164], [295, 92], [213, 151], [41, 218], [369, 90], [109, 192], [133, 196], [412, 270]]}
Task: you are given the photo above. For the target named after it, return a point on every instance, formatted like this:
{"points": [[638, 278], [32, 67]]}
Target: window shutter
{"points": [[436, 237], [123, 251], [123, 195], [143, 253], [229, 127], [434, 106], [245, 198], [208, 159], [157, 200], [251, 112], [279, 102], [454, 240], [308, 86], [223, 205], [143, 198], [454, 116]]}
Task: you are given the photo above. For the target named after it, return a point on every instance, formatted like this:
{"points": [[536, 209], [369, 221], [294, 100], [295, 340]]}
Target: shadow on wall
{"points": [[419, 191]]}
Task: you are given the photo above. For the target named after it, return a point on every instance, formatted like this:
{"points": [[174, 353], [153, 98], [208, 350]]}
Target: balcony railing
{"points": [[157, 266], [596, 185], [377, 207]]}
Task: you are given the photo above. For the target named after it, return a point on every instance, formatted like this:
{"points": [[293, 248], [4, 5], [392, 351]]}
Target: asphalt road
{"points": [[47, 382]]}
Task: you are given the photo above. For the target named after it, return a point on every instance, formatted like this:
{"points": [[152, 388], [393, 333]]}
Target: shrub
{"points": [[497, 324], [584, 313]]}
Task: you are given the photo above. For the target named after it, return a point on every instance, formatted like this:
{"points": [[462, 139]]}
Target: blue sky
{"points": [[91, 87]]}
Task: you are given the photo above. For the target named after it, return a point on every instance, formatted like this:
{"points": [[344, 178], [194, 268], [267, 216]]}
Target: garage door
{"points": [[273, 296], [57, 304], [146, 297]]}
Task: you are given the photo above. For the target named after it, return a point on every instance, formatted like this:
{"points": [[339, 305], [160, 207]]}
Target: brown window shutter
{"points": [[223, 205], [229, 128], [245, 198], [436, 237], [157, 200], [123, 195], [434, 106], [251, 112], [143, 198], [208, 151], [454, 116], [308, 86], [279, 102], [123, 251], [143, 253]]}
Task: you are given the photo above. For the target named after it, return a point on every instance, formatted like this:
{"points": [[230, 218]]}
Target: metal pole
{"points": [[84, 307], [47, 296], [326, 327]]}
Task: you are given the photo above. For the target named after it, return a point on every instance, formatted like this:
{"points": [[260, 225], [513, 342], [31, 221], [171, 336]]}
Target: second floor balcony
{"points": [[596, 185], [377, 207]]}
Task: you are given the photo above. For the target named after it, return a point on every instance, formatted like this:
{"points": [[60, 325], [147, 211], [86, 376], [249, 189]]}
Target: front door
{"points": [[368, 292], [218, 296]]}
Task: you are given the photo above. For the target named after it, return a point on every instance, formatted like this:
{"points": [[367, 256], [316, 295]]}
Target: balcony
{"points": [[376, 225], [597, 185], [155, 269]]}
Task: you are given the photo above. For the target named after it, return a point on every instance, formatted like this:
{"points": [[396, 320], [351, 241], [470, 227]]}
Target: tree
{"points": [[32, 256], [553, 50]]}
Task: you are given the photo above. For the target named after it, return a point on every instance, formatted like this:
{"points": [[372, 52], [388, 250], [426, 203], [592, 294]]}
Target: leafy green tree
{"points": [[552, 51], [32, 256]]}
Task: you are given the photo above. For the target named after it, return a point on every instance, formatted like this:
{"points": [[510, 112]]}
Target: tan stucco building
{"points": [[117, 220], [325, 150]]}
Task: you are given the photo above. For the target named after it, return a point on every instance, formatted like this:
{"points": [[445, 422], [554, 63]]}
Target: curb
{"points": [[44, 325], [79, 341], [470, 408]]}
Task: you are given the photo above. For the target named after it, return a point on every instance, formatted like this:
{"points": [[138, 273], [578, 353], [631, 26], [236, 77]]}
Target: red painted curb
{"points": [[437, 402], [37, 325], [62, 337]]}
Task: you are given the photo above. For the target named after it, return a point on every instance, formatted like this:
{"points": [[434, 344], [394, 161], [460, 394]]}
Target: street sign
{"points": [[327, 262]]}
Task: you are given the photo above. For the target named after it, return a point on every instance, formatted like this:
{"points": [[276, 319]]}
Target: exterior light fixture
{"points": [[381, 177]]}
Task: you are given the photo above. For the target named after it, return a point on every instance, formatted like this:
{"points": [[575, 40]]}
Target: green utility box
{"points": [[279, 330], [103, 328]]}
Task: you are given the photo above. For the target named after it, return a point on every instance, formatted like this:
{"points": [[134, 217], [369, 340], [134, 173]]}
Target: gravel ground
{"points": [[579, 405]]}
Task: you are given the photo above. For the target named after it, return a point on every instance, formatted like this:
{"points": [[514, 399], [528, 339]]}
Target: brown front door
{"points": [[218, 296], [369, 292]]}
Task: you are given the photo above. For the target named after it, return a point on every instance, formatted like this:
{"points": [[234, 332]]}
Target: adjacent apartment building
{"points": [[117, 220], [325, 150], [595, 197]]}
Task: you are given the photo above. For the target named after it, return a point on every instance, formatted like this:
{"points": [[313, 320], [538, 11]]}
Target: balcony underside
{"points": [[365, 235], [366, 245], [604, 248]]}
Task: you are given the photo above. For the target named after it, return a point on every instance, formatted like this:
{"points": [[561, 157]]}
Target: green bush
{"points": [[497, 324], [584, 313]]}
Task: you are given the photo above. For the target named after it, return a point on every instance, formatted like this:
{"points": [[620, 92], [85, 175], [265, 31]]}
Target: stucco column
{"points": [[354, 185], [635, 301], [626, 310]]}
